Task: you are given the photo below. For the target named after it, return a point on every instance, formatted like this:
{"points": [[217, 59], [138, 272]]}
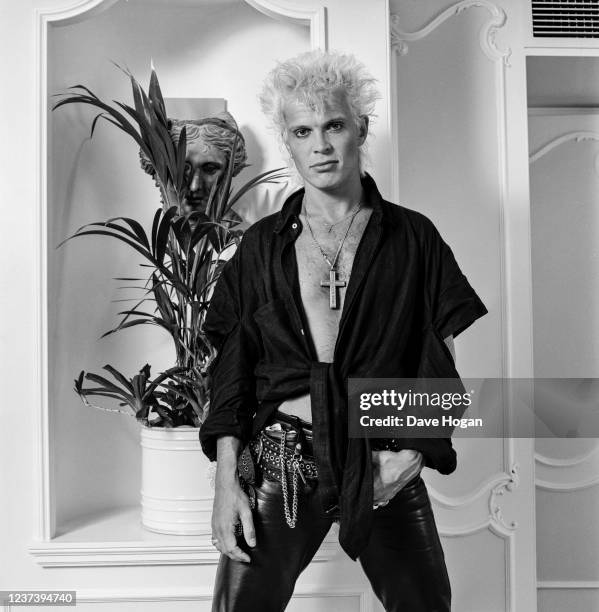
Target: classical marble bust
{"points": [[209, 144]]}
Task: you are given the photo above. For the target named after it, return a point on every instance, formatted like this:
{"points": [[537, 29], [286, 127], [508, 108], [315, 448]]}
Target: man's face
{"points": [[204, 165], [324, 144]]}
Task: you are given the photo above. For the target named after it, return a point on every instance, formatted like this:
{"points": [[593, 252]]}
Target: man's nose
{"points": [[321, 143]]}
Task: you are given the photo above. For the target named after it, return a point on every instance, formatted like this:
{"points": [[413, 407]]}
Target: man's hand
{"points": [[393, 470], [231, 504]]}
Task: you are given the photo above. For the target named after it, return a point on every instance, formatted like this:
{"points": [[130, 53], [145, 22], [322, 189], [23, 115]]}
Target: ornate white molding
{"points": [[471, 505], [509, 483], [571, 474], [463, 530], [314, 18], [168, 596], [43, 18], [487, 486], [553, 111], [487, 35], [495, 487], [569, 462], [72, 12], [95, 554], [568, 584], [576, 136], [87, 554], [564, 48], [578, 485]]}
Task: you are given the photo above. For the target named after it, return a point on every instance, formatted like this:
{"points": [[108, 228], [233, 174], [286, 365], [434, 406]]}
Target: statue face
{"points": [[204, 165]]}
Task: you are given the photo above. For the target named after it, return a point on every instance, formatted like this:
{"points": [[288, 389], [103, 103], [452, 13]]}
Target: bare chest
{"points": [[315, 278]]}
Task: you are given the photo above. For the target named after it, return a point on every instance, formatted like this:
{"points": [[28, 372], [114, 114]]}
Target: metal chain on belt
{"points": [[290, 517]]}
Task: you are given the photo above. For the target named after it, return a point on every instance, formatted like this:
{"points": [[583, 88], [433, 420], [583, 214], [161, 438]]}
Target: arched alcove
{"points": [[202, 49]]}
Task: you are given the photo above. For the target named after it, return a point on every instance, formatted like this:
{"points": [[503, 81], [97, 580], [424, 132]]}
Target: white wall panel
{"points": [[565, 227], [475, 588], [574, 599], [565, 243], [567, 535]]}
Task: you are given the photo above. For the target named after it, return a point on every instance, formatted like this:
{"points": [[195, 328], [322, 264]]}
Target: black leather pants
{"points": [[404, 560]]}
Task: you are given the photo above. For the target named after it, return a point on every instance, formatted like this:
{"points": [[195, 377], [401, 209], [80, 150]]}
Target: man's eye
{"points": [[336, 126], [301, 132], [211, 169], [187, 169]]}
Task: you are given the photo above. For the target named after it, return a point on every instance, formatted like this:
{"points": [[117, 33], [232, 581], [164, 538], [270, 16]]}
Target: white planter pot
{"points": [[176, 490]]}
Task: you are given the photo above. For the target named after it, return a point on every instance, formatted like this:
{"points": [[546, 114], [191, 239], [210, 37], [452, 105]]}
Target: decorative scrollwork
{"points": [[487, 37], [508, 483], [578, 136]]}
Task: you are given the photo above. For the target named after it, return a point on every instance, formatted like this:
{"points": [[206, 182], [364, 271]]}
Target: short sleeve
{"points": [[453, 303], [452, 306]]}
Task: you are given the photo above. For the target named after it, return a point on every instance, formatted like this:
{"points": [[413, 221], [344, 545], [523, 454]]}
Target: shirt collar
{"points": [[293, 204]]}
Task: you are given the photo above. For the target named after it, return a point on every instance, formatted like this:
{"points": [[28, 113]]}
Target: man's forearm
{"points": [[227, 452]]}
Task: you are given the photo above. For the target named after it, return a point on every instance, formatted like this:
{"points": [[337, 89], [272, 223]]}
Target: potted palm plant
{"points": [[183, 253]]}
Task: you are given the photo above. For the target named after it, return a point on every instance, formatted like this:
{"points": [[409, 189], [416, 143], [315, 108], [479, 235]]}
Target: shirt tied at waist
{"points": [[344, 465]]}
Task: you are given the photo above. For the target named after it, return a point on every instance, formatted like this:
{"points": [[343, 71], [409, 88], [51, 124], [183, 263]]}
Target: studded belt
{"points": [[277, 450], [266, 452], [392, 444]]}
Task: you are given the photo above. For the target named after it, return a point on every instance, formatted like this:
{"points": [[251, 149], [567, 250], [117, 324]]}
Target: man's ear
{"points": [[363, 130]]}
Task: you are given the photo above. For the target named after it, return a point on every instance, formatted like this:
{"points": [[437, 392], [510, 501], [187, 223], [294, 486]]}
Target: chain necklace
{"points": [[358, 205], [333, 283]]}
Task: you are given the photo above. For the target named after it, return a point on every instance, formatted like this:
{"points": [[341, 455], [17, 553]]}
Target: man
{"points": [[339, 283]]}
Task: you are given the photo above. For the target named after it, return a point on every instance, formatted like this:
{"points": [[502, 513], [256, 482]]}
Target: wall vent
{"points": [[565, 18]]}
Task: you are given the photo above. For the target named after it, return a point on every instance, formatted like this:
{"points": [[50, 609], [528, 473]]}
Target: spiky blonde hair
{"points": [[311, 78]]}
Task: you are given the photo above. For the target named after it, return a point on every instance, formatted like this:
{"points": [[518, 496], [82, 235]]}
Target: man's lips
{"points": [[324, 164]]}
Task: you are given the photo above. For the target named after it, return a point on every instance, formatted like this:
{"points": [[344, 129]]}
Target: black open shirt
{"points": [[405, 294]]}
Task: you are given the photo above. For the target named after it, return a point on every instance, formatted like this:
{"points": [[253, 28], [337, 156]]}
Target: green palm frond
{"points": [[182, 254]]}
